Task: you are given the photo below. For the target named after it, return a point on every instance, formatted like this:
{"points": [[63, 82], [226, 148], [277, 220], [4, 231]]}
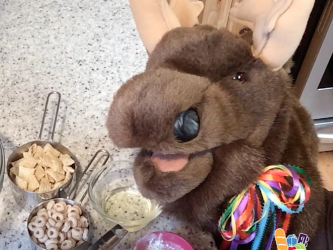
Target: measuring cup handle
{"points": [[110, 239], [56, 114], [86, 169]]}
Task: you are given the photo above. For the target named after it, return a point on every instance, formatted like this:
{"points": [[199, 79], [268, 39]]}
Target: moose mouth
{"points": [[169, 162]]}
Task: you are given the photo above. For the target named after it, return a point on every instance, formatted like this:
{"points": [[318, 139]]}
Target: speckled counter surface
{"points": [[85, 50]]}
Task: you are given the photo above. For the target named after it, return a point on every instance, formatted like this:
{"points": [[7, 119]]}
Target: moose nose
{"points": [[186, 125]]}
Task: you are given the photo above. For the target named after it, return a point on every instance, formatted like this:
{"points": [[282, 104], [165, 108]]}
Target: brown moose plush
{"points": [[208, 117]]}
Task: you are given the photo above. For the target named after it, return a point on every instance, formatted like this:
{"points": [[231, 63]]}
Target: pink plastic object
{"points": [[162, 241]]}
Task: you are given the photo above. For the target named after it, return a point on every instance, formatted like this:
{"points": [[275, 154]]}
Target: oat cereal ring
{"points": [[67, 244], [79, 224], [57, 216], [39, 233], [34, 239], [34, 218], [42, 211], [63, 203], [68, 206], [61, 237], [73, 241], [80, 211], [84, 221], [74, 214], [50, 205], [77, 233], [42, 245], [74, 210], [60, 207], [66, 226], [52, 222], [73, 221], [51, 212], [32, 226], [79, 243], [50, 241], [59, 224], [44, 214], [85, 234], [69, 234], [52, 232], [52, 247], [40, 221], [44, 239], [48, 225]]}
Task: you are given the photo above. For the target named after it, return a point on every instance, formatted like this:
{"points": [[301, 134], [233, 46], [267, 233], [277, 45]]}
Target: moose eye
{"points": [[239, 77], [186, 125]]}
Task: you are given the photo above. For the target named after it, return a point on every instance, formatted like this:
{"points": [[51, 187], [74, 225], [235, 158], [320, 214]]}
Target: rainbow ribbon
{"points": [[254, 214]]}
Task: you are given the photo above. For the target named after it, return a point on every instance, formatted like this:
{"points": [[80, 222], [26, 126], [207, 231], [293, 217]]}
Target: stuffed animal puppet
{"points": [[208, 117]]}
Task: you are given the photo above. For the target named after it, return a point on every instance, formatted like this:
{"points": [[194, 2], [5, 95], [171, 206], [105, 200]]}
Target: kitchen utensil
{"points": [[84, 245], [29, 200], [109, 240], [114, 194], [2, 165], [162, 241]]}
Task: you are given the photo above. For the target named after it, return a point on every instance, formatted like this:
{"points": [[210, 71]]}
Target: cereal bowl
{"points": [[2, 165], [60, 231], [37, 164], [114, 194], [30, 199]]}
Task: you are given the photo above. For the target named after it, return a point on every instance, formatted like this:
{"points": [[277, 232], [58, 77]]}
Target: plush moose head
{"points": [[208, 117]]}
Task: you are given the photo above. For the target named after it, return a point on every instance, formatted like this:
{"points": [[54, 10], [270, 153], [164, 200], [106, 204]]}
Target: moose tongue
{"points": [[169, 163]]}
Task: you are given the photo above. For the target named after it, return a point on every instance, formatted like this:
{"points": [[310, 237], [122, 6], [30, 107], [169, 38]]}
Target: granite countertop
{"points": [[85, 50]]}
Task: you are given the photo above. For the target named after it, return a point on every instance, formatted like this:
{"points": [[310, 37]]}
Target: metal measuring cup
{"points": [[69, 201], [26, 199], [2, 165]]}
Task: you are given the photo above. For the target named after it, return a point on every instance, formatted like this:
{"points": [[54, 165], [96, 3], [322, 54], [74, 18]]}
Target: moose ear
{"points": [[153, 18], [278, 27]]}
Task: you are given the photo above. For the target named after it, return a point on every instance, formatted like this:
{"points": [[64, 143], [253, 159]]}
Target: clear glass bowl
{"points": [[114, 194], [2, 165]]}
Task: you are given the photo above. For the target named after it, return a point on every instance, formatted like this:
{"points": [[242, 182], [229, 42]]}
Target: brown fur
{"points": [[244, 126]]}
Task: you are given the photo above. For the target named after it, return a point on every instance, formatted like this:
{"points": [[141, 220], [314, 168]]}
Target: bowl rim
{"points": [[2, 165], [183, 241], [39, 142], [92, 199]]}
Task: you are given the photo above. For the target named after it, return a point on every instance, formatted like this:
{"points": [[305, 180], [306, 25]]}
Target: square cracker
{"points": [[21, 183], [66, 160], [26, 173], [45, 185], [33, 183], [46, 160], [28, 160], [49, 149], [14, 169], [38, 152], [49, 177], [39, 173], [56, 176], [57, 166]]}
